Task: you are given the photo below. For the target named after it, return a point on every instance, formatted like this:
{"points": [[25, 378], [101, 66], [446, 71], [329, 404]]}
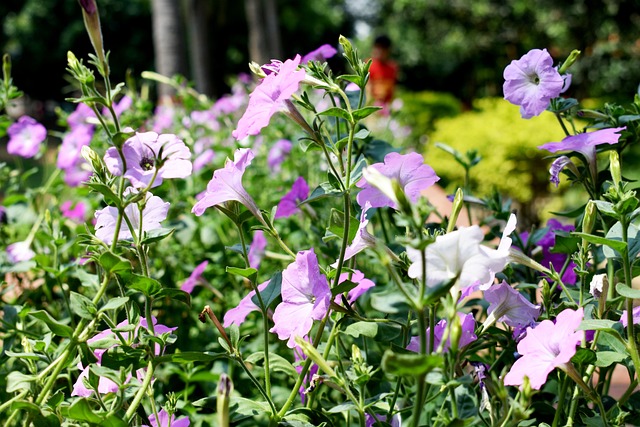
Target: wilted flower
{"points": [[597, 285], [154, 212], [305, 298], [25, 137], [546, 347], [531, 82], [289, 203], [409, 170]]}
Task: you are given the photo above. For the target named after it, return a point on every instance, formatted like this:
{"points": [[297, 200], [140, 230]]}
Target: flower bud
{"points": [[92, 24], [573, 56], [225, 388], [6, 66], [257, 69], [614, 167], [455, 333], [312, 353], [92, 158], [346, 45], [458, 203], [589, 219]]}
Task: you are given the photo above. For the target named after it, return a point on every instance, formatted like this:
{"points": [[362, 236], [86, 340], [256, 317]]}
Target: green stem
{"points": [[563, 392], [131, 411], [626, 264], [421, 384]]}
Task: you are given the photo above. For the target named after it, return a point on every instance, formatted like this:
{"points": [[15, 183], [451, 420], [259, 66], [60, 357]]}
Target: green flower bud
{"points": [[225, 388], [455, 333], [614, 167], [589, 217], [573, 56], [312, 353], [458, 203], [257, 69]]}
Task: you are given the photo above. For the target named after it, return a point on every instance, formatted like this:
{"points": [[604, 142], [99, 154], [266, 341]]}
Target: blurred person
{"points": [[383, 72]]}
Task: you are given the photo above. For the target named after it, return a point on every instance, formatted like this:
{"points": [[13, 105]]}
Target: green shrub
{"points": [[511, 163], [421, 110]]}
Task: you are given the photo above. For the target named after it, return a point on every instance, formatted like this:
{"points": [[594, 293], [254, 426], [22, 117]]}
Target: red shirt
{"points": [[382, 76]]}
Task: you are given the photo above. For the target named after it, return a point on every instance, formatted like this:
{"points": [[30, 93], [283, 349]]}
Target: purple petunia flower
{"points": [[154, 212], [25, 137], [325, 51], [268, 98], [467, 325], [105, 385], [585, 144], [546, 347], [362, 285], [363, 239], [238, 314], [80, 117], [396, 420], [71, 146], [531, 82], [636, 316], [142, 151], [305, 298], [164, 421], [74, 211], [19, 252], [289, 203], [547, 242], [194, 278], [509, 306], [163, 118], [278, 154], [256, 250], [409, 170], [226, 185]]}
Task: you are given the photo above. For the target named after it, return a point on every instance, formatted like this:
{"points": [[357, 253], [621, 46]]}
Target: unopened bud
{"points": [[257, 69], [455, 333], [312, 353], [614, 167], [573, 56], [589, 219], [6, 66], [92, 158], [346, 45], [356, 354], [92, 24], [458, 203], [225, 388]]}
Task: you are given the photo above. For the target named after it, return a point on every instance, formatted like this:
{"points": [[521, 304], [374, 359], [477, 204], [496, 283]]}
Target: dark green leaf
{"points": [[343, 287], [189, 356], [565, 244], [148, 286], [364, 112], [82, 306], [336, 112], [271, 292], [56, 327], [109, 196], [367, 329], [81, 410], [157, 235], [114, 303], [584, 356], [323, 190], [114, 263], [175, 294], [410, 364]]}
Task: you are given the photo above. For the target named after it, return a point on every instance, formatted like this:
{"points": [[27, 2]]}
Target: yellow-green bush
{"points": [[511, 163]]}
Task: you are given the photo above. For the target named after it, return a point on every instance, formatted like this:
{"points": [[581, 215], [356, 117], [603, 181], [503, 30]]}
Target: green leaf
{"points": [[364, 112], [608, 358], [17, 381], [82, 306], [336, 225], [175, 294], [277, 363], [584, 356], [356, 173], [271, 292], [56, 327], [106, 191], [122, 356], [323, 190], [376, 150], [114, 303], [148, 286], [248, 273], [188, 357], [249, 407], [433, 294], [353, 78], [113, 263], [597, 325], [633, 240], [410, 364], [565, 243], [367, 329], [613, 244], [337, 112], [343, 287], [81, 410], [627, 292], [156, 235]]}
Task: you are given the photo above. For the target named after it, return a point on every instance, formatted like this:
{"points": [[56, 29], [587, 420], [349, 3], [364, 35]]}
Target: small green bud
{"points": [[614, 167], [225, 388], [458, 203], [346, 45], [312, 353], [455, 333], [257, 69], [92, 158], [573, 56], [589, 217], [6, 66], [356, 354]]}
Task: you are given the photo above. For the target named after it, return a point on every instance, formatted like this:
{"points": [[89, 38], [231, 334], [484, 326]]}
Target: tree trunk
{"points": [[257, 32], [167, 41], [199, 46], [274, 44]]}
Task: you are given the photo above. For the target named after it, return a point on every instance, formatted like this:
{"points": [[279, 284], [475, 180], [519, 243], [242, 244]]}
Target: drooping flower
{"points": [[412, 174], [325, 51], [105, 385], [289, 203], [278, 154], [467, 336], [461, 255], [25, 137], [256, 250], [509, 306], [194, 278], [268, 98], [238, 314], [597, 285], [546, 347], [143, 151], [305, 298], [558, 165], [164, 421], [74, 211], [585, 144], [154, 212], [362, 285], [19, 252], [531, 82], [226, 185]]}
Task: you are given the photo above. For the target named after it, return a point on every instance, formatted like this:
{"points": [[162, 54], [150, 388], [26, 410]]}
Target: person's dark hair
{"points": [[382, 41]]}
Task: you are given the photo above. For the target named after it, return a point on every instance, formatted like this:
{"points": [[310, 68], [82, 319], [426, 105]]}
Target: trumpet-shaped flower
{"points": [[268, 98], [305, 298], [226, 185], [25, 137], [467, 326], [408, 169], [238, 314], [461, 255], [154, 212], [531, 82], [325, 51], [509, 306], [194, 278], [546, 347], [143, 151], [363, 239], [289, 203], [19, 252]]}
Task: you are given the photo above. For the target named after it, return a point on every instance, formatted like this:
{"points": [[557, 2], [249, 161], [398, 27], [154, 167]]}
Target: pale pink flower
{"points": [[25, 137]]}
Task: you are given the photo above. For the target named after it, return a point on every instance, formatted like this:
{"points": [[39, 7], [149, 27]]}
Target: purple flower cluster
{"points": [[25, 137]]}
